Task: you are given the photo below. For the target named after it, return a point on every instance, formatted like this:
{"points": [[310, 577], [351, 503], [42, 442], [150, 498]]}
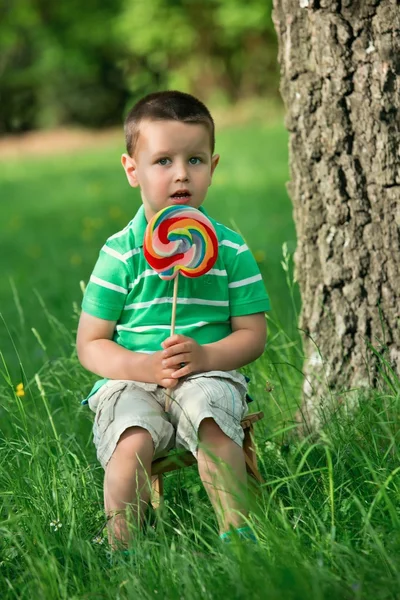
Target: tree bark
{"points": [[340, 67]]}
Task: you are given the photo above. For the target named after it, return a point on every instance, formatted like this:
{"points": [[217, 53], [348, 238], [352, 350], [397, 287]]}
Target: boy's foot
{"points": [[241, 534]]}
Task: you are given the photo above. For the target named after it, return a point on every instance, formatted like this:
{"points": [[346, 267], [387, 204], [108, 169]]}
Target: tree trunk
{"points": [[340, 67]]}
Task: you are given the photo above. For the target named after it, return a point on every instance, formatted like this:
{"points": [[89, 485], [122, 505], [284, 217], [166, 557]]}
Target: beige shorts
{"points": [[120, 404]]}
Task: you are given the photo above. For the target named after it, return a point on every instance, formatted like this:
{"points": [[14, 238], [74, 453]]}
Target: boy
{"points": [[123, 330]]}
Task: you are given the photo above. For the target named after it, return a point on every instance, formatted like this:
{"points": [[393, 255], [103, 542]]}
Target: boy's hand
{"points": [[179, 349], [161, 375]]}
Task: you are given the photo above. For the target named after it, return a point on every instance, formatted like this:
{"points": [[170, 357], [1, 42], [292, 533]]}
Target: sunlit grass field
{"points": [[327, 518]]}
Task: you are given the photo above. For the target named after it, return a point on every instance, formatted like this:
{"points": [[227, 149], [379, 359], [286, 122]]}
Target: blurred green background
{"points": [[73, 65], [85, 62]]}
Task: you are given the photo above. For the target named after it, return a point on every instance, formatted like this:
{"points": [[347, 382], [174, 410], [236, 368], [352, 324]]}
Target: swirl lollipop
{"points": [[180, 239]]}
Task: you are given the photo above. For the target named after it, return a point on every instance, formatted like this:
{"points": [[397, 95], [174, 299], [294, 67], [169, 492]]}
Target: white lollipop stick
{"points": [[169, 395]]}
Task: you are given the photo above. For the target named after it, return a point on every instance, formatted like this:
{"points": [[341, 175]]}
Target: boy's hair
{"points": [[166, 106]]}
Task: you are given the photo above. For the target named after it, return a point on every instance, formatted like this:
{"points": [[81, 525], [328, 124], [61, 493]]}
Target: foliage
{"points": [[83, 63], [222, 48], [58, 66]]}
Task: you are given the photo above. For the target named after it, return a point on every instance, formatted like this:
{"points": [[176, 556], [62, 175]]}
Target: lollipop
{"points": [[180, 239]]}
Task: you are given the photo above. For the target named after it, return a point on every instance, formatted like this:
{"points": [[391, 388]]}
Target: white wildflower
{"points": [[55, 525], [98, 540]]}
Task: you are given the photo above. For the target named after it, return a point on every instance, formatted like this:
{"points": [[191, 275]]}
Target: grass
{"points": [[327, 517]]}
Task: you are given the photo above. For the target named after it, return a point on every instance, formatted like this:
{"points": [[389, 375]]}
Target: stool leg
{"points": [[250, 455], [157, 492]]}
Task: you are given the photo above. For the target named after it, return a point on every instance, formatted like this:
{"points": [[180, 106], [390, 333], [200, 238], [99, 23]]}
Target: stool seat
{"points": [[179, 459]]}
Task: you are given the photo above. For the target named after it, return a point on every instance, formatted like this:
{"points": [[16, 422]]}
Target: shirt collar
{"points": [[139, 224]]}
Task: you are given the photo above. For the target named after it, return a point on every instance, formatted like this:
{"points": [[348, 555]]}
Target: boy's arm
{"points": [[99, 354], [242, 346], [245, 344]]}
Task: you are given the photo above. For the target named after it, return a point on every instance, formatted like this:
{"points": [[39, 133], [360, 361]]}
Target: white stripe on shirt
{"points": [[150, 327], [169, 300], [242, 249], [151, 272], [131, 253], [147, 273], [114, 253], [108, 285], [229, 244], [242, 282]]}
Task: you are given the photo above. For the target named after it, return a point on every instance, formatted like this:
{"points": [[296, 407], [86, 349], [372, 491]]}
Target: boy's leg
{"points": [[130, 427], [207, 414], [127, 485], [225, 479]]}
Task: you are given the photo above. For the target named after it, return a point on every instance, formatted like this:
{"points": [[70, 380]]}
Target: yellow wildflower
{"points": [[115, 212], [260, 256], [87, 235], [20, 390], [34, 251], [75, 259]]}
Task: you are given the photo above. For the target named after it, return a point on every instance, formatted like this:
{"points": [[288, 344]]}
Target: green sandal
{"points": [[244, 534]]}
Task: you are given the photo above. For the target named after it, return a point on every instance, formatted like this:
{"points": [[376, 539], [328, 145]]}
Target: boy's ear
{"points": [[214, 162], [129, 166]]}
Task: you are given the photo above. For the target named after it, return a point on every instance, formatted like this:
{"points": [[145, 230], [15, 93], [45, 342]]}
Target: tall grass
{"points": [[327, 517]]}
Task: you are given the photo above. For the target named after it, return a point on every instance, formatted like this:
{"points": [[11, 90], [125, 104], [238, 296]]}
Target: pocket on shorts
{"points": [[229, 393], [105, 412], [224, 396]]}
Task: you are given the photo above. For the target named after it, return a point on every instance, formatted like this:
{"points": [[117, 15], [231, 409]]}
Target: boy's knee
{"points": [[210, 430], [135, 440]]}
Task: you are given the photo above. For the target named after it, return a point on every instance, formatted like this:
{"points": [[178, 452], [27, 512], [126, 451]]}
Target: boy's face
{"points": [[172, 164]]}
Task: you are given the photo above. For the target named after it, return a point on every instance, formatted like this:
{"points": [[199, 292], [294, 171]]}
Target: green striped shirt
{"points": [[124, 288]]}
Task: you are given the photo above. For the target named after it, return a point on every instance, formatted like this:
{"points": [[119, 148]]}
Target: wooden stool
{"points": [[180, 460]]}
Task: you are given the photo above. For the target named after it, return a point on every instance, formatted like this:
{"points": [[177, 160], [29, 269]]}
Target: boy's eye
{"points": [[194, 160]]}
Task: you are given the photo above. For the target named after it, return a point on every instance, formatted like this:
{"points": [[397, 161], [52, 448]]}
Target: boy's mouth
{"points": [[181, 197]]}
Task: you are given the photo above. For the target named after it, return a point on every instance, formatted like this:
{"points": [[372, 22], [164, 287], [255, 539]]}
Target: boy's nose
{"points": [[181, 173]]}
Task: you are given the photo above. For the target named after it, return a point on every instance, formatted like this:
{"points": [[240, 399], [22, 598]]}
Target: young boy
{"points": [[123, 330]]}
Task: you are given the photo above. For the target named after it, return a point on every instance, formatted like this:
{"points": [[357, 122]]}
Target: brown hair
{"points": [[167, 106]]}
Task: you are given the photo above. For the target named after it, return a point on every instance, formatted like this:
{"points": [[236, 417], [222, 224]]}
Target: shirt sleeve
{"points": [[108, 287], [247, 294]]}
